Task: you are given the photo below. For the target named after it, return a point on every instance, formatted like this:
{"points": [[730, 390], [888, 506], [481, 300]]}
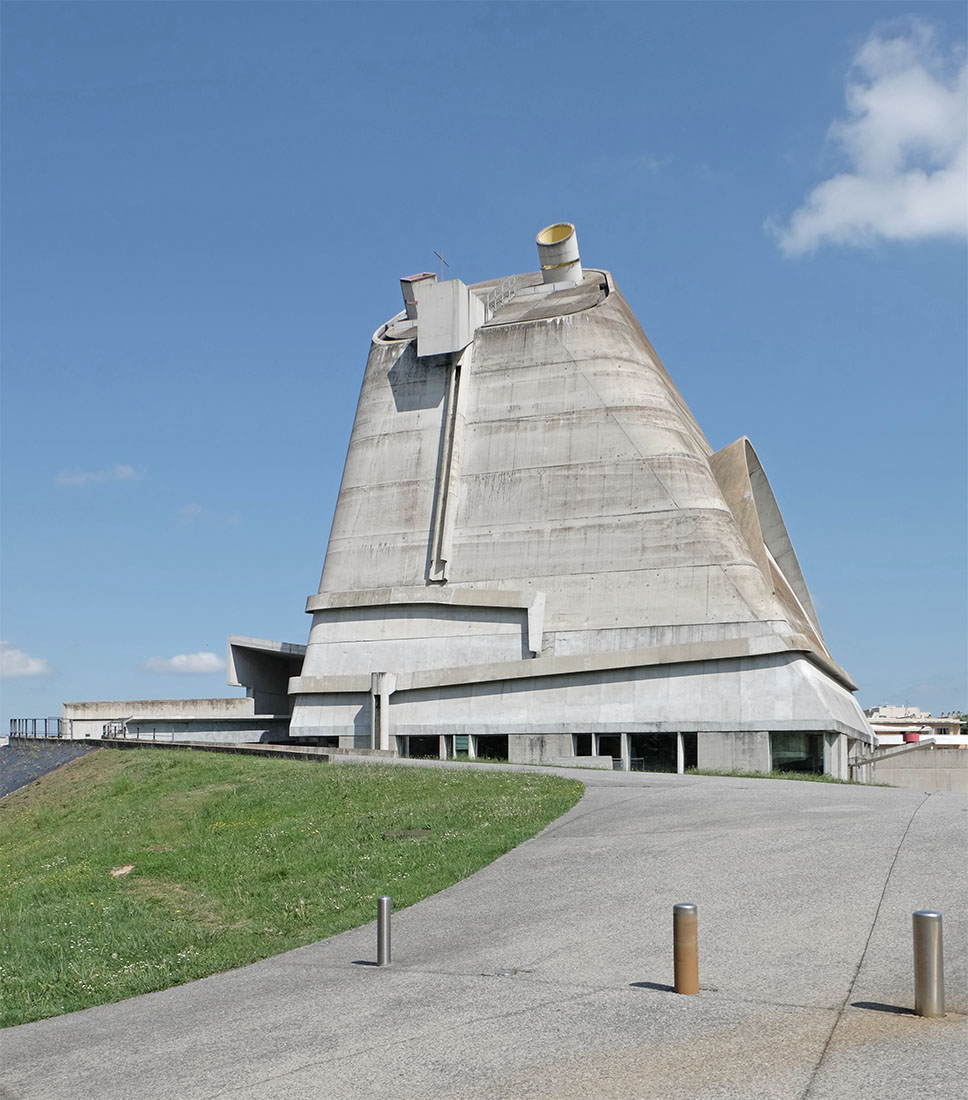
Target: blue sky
{"points": [[206, 209]]}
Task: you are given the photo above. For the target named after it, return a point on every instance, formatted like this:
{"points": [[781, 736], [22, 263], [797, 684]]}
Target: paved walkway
{"points": [[547, 974]]}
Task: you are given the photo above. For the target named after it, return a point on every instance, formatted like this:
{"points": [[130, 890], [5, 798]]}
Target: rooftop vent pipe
{"points": [[558, 253]]}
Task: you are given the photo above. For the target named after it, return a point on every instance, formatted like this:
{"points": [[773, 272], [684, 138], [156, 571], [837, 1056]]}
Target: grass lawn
{"points": [[131, 871], [802, 777]]}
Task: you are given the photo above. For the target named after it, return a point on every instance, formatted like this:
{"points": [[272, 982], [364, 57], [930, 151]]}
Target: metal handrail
{"points": [[119, 730], [498, 295], [37, 728]]}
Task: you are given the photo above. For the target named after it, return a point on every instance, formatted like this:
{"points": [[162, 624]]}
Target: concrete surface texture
{"points": [[535, 537], [547, 975], [938, 768]]}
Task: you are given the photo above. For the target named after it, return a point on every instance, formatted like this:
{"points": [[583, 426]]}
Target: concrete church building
{"points": [[536, 549], [537, 555]]}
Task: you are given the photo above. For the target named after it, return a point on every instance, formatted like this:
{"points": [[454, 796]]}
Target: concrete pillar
{"points": [[626, 751], [382, 686], [471, 746], [442, 746], [680, 755], [835, 755], [374, 713], [862, 773]]}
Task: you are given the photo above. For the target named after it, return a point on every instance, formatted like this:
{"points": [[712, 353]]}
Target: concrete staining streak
{"points": [[662, 483], [547, 975], [448, 471], [659, 480]]}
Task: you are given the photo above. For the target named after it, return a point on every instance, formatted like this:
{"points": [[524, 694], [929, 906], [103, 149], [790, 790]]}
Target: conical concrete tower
{"points": [[537, 555]]}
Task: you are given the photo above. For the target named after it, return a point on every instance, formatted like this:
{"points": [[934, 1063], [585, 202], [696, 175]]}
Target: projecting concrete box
{"points": [[448, 316], [412, 287]]}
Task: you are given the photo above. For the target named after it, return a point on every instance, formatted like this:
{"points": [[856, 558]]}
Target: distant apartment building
{"points": [[898, 724]]}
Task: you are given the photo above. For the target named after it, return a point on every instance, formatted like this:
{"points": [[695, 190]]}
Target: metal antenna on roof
{"points": [[443, 263]]}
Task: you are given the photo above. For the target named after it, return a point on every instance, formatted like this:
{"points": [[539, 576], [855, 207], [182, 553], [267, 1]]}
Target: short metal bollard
{"points": [[383, 930], [928, 964], [685, 947]]}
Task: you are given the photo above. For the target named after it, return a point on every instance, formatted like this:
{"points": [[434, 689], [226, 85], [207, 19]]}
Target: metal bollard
{"points": [[383, 930], [928, 964], [685, 947]]}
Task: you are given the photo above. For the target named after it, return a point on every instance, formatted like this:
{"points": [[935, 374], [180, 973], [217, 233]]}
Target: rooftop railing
{"points": [[44, 728], [498, 295]]}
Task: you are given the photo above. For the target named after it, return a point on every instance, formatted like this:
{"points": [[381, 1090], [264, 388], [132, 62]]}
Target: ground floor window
{"points": [[610, 744], [583, 744], [422, 748], [653, 752], [792, 751], [643, 752], [492, 747]]}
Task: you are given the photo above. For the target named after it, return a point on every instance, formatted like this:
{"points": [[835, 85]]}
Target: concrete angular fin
{"points": [[747, 491]]}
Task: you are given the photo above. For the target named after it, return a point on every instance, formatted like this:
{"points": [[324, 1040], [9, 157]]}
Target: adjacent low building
{"points": [[262, 667]]}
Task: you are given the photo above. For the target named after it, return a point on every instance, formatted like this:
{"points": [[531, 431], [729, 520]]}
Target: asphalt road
{"points": [[547, 975]]}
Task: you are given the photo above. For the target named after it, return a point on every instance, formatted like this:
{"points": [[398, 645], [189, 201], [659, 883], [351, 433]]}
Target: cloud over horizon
{"points": [[190, 664], [76, 478], [15, 663], [905, 139]]}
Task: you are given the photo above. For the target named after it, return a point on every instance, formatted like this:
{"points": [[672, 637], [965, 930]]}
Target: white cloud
{"points": [[14, 662], [91, 477], [905, 140], [654, 165], [194, 513], [190, 664]]}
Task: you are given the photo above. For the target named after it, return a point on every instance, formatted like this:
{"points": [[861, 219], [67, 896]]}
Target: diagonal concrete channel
{"points": [[547, 974]]}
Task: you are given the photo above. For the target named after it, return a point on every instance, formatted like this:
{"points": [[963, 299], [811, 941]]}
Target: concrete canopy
{"points": [[534, 538]]}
